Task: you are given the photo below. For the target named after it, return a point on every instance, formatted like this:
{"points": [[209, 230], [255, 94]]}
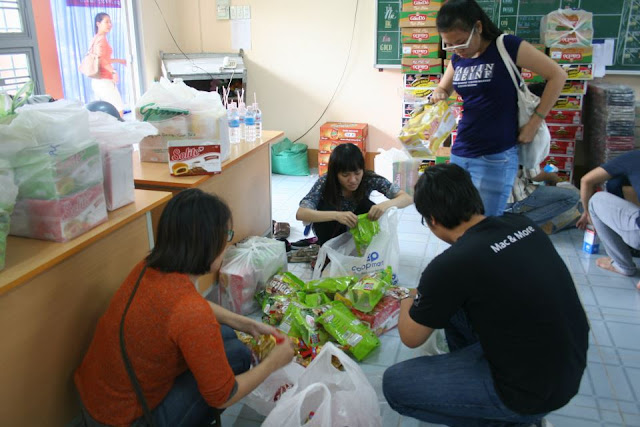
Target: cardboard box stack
{"points": [[567, 34], [423, 60], [333, 134], [422, 56]]}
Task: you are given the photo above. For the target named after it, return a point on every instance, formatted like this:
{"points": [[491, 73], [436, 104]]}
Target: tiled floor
{"points": [[610, 391]]}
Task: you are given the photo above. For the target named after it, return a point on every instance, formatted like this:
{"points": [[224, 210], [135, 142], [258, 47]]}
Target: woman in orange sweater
{"points": [[180, 347], [104, 85]]}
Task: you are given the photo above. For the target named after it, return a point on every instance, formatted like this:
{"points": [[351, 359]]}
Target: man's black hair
{"points": [[192, 233], [463, 15], [445, 193]]}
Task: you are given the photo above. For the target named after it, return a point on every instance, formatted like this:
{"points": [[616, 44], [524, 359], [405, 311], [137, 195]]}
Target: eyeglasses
{"points": [[465, 45], [230, 234]]}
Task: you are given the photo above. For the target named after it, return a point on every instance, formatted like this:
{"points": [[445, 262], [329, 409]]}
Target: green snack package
{"points": [[284, 284], [300, 322], [364, 232], [348, 331], [330, 285], [369, 290], [314, 300], [274, 308]]}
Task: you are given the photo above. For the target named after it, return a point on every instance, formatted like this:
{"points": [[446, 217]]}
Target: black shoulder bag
{"points": [[127, 363]]}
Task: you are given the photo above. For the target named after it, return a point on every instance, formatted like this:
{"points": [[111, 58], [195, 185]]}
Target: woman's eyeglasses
{"points": [[230, 235], [465, 45]]}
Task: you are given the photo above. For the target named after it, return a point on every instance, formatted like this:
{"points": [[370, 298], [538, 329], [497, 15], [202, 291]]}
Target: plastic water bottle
{"points": [[250, 125], [234, 124], [242, 111], [258, 123]]}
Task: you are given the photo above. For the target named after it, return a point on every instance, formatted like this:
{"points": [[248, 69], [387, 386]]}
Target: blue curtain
{"points": [[74, 29]]}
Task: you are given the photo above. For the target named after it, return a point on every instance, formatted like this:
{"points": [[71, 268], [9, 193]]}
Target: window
{"points": [[19, 57]]}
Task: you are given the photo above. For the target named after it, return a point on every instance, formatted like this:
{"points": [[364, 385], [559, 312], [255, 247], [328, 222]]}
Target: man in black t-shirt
{"points": [[516, 330]]}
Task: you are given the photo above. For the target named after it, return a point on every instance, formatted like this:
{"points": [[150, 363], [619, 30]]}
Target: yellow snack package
{"points": [[428, 128]]}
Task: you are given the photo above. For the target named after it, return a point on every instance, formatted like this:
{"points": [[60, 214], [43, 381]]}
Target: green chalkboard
{"points": [[612, 19]]}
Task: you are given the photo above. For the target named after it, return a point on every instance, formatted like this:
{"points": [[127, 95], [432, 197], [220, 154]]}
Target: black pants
{"points": [[330, 229]]}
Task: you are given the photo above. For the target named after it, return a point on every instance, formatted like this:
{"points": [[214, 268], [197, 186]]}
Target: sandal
{"points": [[307, 254], [281, 230], [305, 242]]}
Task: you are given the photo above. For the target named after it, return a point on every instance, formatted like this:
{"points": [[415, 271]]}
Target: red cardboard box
{"points": [[330, 144], [322, 168], [564, 116], [562, 146], [561, 162], [383, 317], [561, 131], [568, 102], [323, 157], [349, 132]]}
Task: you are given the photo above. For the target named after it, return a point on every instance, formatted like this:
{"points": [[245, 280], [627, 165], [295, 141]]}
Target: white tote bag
{"points": [[533, 153], [383, 251]]}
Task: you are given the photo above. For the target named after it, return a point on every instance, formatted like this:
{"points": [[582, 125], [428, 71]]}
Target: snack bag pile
{"points": [[567, 28], [428, 127], [364, 232], [330, 309]]}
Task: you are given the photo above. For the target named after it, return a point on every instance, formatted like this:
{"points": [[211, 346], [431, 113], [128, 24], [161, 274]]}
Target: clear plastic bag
{"points": [[265, 397], [311, 407], [116, 141], [246, 268], [182, 112], [383, 251], [353, 400]]}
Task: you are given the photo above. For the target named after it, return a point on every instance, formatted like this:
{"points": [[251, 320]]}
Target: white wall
{"points": [[299, 50]]}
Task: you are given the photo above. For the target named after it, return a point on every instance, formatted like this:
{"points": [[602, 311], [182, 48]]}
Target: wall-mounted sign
{"points": [[94, 3]]}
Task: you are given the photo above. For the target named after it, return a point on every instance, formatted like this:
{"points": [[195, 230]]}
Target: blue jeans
{"points": [[493, 175], [548, 203], [455, 389], [183, 405]]}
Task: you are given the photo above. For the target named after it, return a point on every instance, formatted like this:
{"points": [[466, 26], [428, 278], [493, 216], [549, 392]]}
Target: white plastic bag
{"points": [[383, 251], [353, 400], [116, 141], [310, 407], [398, 167], [246, 268], [265, 397], [182, 112]]}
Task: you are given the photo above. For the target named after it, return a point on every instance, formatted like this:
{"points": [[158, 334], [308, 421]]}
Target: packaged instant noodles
{"points": [[348, 331], [284, 284], [274, 308], [330, 285], [260, 348], [363, 232], [369, 290]]}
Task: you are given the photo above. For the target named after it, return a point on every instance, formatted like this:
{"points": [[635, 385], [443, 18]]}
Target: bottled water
{"points": [[234, 124], [250, 125], [242, 112], [258, 120]]}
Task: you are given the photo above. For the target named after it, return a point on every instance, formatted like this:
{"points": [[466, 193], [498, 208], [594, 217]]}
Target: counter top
{"points": [[157, 174], [27, 258]]}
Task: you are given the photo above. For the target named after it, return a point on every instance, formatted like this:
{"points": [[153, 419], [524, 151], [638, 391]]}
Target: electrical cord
{"points": [[178, 46], [353, 30]]}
